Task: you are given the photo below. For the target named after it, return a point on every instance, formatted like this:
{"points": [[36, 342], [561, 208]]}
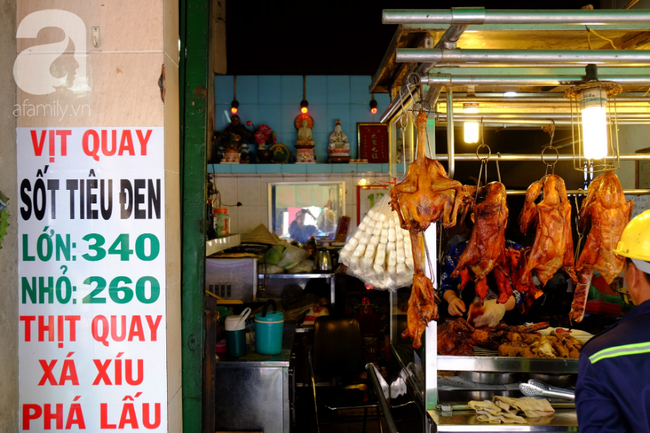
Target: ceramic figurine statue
{"points": [[339, 148], [304, 134], [305, 143], [232, 138]]}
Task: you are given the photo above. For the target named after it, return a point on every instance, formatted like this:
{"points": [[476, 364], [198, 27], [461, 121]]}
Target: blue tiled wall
{"points": [[275, 101]]}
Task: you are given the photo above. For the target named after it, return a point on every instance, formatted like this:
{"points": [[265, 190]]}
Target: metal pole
{"points": [[539, 100], [514, 157], [451, 167], [522, 121], [546, 116], [581, 192], [527, 80], [482, 16], [395, 105], [388, 416], [408, 138], [447, 40], [438, 55]]}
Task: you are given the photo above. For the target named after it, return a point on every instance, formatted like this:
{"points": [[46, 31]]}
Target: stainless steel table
{"points": [[256, 394], [565, 420]]}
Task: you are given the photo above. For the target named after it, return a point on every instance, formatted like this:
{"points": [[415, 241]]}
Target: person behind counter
{"points": [[613, 387], [298, 230], [493, 312]]}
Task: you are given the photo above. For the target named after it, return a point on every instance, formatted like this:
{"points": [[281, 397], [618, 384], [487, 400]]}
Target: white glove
{"points": [[492, 314]]}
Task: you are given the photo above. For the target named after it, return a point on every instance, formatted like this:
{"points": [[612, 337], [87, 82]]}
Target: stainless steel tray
{"points": [[508, 364]]}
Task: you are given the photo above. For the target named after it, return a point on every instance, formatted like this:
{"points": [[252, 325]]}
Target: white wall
{"points": [[252, 191]]}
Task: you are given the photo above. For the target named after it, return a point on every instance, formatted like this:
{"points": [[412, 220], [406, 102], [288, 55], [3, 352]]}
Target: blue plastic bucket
{"points": [[268, 330]]}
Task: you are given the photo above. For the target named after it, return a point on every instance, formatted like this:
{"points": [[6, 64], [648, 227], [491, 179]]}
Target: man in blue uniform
{"points": [[613, 388]]}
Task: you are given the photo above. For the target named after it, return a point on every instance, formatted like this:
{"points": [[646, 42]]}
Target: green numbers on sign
{"points": [[121, 292], [121, 247], [100, 253], [92, 297], [154, 247], [140, 290]]}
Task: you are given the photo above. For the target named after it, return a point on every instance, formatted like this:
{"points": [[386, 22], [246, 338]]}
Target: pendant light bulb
{"points": [[470, 128], [593, 107], [373, 105], [234, 106], [304, 104]]}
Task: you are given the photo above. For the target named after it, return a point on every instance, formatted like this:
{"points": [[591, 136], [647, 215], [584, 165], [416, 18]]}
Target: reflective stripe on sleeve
{"points": [[613, 352]]}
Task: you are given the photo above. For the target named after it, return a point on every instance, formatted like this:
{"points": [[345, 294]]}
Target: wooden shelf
{"points": [[299, 168]]}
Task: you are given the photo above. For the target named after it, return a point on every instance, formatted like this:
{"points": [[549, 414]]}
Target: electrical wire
{"points": [[600, 36]]}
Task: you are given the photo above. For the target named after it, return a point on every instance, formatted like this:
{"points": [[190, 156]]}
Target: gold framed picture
{"points": [[372, 139]]}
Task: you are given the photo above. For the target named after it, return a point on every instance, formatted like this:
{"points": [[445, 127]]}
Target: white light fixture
{"points": [[510, 94], [470, 128], [593, 108], [593, 123]]}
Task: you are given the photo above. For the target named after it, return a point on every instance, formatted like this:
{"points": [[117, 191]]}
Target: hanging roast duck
{"points": [[553, 246], [606, 210], [426, 195], [486, 248]]}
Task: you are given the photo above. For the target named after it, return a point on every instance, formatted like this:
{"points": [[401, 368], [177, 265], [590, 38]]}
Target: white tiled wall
{"points": [[252, 192]]}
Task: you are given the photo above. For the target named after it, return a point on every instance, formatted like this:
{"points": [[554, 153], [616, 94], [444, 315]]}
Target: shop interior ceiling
{"points": [[547, 98], [539, 86]]}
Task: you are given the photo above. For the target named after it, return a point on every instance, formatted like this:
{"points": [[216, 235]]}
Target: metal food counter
{"points": [[255, 391], [442, 398]]}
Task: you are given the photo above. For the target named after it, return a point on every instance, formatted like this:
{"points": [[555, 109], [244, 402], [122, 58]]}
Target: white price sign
{"points": [[91, 223]]}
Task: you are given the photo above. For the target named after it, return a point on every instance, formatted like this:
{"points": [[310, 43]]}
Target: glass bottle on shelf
{"points": [[222, 222]]}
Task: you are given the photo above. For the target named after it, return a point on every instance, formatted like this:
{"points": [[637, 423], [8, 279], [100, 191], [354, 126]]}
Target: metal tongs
{"points": [[535, 388]]}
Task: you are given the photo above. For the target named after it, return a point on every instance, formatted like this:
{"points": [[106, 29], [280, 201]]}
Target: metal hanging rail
{"points": [[528, 80], [417, 55], [540, 100], [478, 15], [451, 166], [581, 192], [524, 119], [515, 157]]}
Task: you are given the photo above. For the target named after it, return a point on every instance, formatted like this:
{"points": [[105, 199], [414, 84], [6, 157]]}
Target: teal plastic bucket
{"points": [[268, 330], [236, 334]]}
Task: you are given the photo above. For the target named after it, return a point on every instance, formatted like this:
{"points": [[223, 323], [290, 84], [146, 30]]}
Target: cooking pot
{"points": [[268, 330]]}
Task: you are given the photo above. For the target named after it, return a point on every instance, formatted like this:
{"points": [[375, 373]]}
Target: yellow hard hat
{"points": [[635, 240]]}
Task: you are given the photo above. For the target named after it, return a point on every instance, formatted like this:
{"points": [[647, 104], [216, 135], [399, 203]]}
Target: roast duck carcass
{"points": [[553, 246], [486, 248], [426, 195], [522, 281], [608, 213], [458, 337]]}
